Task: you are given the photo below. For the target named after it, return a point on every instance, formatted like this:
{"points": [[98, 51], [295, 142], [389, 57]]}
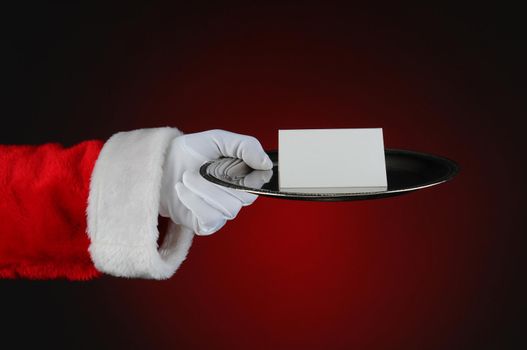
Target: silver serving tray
{"points": [[407, 171]]}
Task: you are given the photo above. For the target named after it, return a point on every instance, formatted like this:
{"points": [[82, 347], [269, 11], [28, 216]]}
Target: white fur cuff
{"points": [[123, 208]]}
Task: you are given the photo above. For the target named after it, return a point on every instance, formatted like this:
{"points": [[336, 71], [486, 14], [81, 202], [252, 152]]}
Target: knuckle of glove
{"points": [[210, 226]]}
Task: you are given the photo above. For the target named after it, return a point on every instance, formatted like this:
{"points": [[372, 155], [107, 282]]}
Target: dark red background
{"points": [[436, 269]]}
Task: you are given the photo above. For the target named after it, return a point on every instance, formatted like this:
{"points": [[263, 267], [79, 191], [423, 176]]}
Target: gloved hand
{"points": [[190, 200]]}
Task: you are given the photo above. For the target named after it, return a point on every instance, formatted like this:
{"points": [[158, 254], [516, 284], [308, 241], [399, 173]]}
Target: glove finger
{"points": [[209, 219], [257, 178], [213, 194], [245, 147]]}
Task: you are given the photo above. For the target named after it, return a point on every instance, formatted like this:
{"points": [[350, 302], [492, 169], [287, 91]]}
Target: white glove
{"points": [[190, 200]]}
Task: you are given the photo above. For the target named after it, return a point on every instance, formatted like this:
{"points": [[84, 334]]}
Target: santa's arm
{"points": [[43, 196], [89, 209]]}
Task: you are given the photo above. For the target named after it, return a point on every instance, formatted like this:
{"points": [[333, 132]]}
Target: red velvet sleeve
{"points": [[43, 199]]}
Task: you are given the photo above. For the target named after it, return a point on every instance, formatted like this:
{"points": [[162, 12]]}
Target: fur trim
{"points": [[123, 208]]}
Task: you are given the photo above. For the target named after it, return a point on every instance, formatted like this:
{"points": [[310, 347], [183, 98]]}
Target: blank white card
{"points": [[331, 160]]}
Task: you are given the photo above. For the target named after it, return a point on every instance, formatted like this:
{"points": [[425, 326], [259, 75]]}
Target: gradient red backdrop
{"points": [[436, 269]]}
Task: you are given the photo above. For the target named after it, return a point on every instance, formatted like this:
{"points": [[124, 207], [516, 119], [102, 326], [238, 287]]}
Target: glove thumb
{"points": [[244, 147]]}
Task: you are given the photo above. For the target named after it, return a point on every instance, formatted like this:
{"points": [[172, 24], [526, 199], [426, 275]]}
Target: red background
{"points": [[436, 269]]}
